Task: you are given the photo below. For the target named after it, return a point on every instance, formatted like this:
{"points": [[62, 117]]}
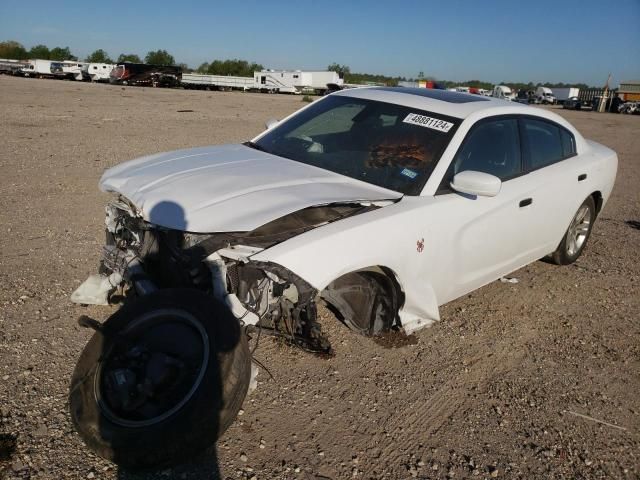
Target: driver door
{"points": [[487, 236]]}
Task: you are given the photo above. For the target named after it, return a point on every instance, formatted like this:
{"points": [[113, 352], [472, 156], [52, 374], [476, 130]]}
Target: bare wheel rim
{"points": [[154, 370], [578, 230]]}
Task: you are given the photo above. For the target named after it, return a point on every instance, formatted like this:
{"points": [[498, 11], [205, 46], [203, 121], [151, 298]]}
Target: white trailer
{"points": [[100, 72], [563, 94], [76, 70], [297, 81], [217, 82], [43, 68]]}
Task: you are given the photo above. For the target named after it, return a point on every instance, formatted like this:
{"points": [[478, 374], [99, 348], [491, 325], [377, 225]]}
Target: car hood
{"points": [[229, 188]]}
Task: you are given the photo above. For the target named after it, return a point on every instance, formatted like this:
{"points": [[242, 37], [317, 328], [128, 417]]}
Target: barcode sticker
{"points": [[429, 122]]}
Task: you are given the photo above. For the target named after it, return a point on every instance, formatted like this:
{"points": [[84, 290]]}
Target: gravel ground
{"points": [[516, 381]]}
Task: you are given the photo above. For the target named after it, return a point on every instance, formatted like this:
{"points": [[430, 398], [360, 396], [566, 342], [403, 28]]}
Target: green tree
{"points": [[99, 56], [39, 51], [59, 54], [159, 57], [13, 50], [129, 57], [336, 67], [235, 67], [203, 68]]}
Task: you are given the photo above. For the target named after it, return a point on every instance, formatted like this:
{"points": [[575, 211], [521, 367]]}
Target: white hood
{"points": [[229, 188]]}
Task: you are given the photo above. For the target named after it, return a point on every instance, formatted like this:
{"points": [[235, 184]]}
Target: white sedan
{"points": [[383, 202]]}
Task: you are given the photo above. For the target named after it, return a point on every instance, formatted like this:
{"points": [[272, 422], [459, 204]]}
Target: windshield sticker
{"points": [[409, 173], [429, 122]]}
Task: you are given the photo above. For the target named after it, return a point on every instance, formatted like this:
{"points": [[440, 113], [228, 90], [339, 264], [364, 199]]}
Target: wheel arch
{"points": [[371, 283], [598, 200]]}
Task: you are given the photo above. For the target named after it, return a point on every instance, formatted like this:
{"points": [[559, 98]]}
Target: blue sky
{"points": [[491, 40]]}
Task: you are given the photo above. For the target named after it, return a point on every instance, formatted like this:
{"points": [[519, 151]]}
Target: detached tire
{"points": [[576, 236], [162, 382]]}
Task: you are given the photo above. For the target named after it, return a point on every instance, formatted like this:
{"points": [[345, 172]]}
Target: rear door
{"points": [[556, 179]]}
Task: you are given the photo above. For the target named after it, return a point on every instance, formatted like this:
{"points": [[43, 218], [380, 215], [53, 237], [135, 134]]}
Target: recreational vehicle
{"points": [[42, 68], [75, 70], [297, 81], [143, 74], [99, 72]]}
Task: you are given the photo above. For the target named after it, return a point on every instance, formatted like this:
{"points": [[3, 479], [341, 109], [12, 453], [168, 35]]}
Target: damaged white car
{"points": [[384, 203]]}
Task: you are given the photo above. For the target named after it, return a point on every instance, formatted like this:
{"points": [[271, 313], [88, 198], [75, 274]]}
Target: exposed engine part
{"points": [[148, 257]]}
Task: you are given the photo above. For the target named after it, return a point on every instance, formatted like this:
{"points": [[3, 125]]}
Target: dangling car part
{"points": [[382, 203]]}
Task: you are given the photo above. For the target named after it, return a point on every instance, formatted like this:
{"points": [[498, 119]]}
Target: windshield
{"points": [[384, 144]]}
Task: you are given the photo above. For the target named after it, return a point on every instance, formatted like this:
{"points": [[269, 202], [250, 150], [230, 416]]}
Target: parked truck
{"points": [[563, 94], [545, 95], [503, 92]]}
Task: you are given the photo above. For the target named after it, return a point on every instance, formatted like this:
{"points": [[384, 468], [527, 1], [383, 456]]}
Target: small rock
{"points": [[494, 473], [41, 431], [243, 458], [6, 377], [17, 466], [91, 475]]}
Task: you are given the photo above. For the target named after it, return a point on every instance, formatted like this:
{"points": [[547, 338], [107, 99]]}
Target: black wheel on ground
{"points": [[162, 381], [576, 236]]}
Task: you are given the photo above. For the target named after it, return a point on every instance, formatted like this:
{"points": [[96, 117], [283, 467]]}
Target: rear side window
{"points": [[492, 147], [568, 143], [544, 141]]}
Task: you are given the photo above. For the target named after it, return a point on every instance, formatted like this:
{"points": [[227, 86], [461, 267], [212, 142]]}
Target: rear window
{"points": [[544, 142], [568, 143]]}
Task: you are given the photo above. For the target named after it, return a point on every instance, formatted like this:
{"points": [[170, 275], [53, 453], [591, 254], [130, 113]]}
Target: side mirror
{"points": [[476, 183], [269, 124]]}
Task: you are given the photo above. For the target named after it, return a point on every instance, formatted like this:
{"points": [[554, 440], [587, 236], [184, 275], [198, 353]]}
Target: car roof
{"points": [[445, 102]]}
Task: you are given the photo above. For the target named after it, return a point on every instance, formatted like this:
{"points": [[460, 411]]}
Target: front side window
{"points": [[544, 143], [388, 145], [492, 147]]}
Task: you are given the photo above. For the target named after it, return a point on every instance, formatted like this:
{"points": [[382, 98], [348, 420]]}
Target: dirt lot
{"points": [[494, 390]]}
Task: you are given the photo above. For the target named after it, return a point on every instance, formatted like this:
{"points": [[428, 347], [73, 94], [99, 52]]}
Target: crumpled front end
{"points": [[140, 257]]}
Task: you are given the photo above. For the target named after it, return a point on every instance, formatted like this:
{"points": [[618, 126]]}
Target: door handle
{"points": [[582, 176], [525, 202]]}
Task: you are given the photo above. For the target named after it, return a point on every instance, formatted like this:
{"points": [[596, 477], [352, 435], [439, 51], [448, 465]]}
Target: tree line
{"points": [[13, 50]]}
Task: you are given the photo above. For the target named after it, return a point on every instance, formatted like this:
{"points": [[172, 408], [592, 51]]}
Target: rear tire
{"points": [[577, 234], [163, 381]]}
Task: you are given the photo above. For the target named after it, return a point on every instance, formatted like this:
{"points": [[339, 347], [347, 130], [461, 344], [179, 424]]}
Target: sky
{"points": [[567, 41]]}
